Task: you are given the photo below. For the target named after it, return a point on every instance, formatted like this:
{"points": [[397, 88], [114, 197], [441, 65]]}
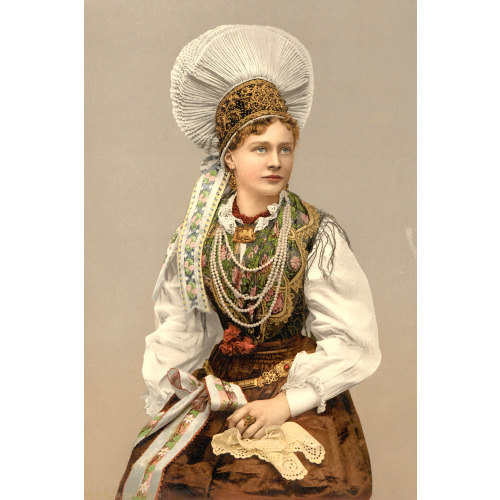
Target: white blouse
{"points": [[341, 318]]}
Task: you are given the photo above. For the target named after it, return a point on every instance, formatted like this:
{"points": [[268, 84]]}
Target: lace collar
{"points": [[228, 221]]}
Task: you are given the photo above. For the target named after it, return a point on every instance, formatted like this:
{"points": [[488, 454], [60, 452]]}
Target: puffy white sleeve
{"points": [[182, 340], [341, 318]]}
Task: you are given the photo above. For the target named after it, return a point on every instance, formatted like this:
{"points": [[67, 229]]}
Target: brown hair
{"points": [[259, 126]]}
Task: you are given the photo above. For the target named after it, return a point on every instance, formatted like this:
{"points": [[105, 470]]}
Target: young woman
{"points": [[265, 317]]}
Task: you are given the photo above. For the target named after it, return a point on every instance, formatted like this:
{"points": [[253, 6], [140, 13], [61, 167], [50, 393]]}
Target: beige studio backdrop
{"points": [[356, 159]]}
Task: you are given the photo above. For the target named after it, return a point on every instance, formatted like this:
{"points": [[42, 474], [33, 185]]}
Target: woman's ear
{"points": [[228, 158]]}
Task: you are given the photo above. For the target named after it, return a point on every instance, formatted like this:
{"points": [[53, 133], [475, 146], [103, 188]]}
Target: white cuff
{"points": [[301, 399]]}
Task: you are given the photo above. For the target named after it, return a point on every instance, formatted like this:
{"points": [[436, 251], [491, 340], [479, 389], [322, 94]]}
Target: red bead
{"points": [[244, 218], [286, 367]]}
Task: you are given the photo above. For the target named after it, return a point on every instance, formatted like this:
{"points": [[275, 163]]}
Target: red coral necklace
{"points": [[245, 234]]}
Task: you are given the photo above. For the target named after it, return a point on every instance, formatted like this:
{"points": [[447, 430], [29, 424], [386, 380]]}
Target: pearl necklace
{"points": [[275, 274]]}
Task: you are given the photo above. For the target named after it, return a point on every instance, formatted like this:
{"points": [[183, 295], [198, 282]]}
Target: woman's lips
{"points": [[274, 177]]}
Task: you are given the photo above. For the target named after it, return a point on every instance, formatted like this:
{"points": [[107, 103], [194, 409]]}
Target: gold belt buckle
{"points": [[273, 375]]}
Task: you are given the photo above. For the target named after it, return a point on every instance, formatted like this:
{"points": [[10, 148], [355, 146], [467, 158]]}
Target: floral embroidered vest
{"points": [[290, 310]]}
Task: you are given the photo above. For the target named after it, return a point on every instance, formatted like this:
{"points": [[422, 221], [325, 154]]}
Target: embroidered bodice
{"points": [[290, 310]]}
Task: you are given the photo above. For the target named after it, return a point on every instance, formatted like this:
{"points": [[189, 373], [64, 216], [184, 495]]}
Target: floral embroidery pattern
{"points": [[150, 426], [229, 400], [295, 262], [208, 179], [280, 301], [205, 195], [175, 436], [257, 254]]}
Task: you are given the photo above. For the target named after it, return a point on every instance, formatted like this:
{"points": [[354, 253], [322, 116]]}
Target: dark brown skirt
{"points": [[344, 473]]}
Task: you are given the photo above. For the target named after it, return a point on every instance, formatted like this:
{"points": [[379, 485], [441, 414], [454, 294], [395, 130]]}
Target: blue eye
{"points": [[286, 150], [260, 149]]}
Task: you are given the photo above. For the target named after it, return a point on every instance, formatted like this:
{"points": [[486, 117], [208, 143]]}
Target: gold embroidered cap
{"points": [[247, 102], [234, 74]]}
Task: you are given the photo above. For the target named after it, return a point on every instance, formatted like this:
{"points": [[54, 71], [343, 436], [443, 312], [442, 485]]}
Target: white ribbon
{"points": [[177, 427]]}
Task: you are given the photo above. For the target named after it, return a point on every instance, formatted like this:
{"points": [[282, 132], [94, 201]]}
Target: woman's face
{"points": [[263, 163]]}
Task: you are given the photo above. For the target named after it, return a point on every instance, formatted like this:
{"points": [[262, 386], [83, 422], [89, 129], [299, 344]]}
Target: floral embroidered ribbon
{"points": [[205, 199], [177, 427], [188, 240]]}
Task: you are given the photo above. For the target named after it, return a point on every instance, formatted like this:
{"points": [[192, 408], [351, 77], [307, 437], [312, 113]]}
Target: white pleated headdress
{"points": [[221, 81]]}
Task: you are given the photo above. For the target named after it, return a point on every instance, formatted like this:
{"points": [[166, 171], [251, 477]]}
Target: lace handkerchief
{"points": [[278, 447]]}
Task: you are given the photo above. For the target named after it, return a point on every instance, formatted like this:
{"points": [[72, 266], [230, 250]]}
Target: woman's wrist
{"points": [[281, 397]]}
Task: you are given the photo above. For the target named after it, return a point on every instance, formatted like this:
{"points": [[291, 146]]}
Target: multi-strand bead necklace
{"points": [[275, 275]]}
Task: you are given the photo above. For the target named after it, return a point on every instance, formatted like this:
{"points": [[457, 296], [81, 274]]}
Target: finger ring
{"points": [[249, 420]]}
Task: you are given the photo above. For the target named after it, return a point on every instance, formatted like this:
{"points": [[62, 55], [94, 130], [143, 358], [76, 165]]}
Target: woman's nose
{"points": [[274, 160]]}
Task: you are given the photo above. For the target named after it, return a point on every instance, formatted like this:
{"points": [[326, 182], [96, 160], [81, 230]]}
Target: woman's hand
{"points": [[274, 411]]}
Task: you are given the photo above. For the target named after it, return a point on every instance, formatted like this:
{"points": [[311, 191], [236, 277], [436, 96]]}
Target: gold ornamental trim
{"points": [[246, 102], [273, 375]]}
